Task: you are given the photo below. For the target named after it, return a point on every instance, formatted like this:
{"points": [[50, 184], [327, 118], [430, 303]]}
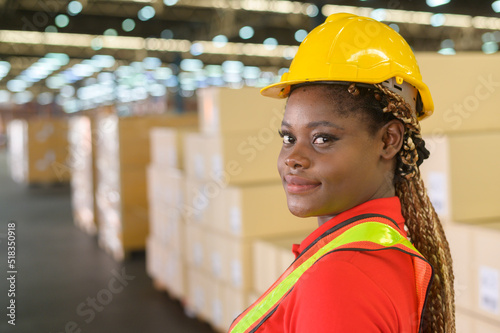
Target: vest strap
{"points": [[366, 234]]}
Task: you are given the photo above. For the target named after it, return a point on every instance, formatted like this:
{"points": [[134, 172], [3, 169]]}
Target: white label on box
{"points": [[198, 254], [437, 189], [199, 166], [236, 273], [199, 298], [216, 264], [235, 220], [489, 289], [217, 166], [217, 311], [172, 157]]}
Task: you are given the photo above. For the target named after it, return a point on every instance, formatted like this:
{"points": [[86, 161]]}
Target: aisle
{"points": [[65, 282]]}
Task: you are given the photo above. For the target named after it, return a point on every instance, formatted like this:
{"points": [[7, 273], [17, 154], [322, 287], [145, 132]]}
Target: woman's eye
{"points": [[321, 139], [287, 138]]}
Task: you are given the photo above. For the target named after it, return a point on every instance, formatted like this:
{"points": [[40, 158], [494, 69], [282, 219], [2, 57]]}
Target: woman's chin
{"points": [[300, 211]]}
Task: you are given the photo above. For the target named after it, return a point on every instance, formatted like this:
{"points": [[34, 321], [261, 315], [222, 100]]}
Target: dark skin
{"points": [[331, 162]]}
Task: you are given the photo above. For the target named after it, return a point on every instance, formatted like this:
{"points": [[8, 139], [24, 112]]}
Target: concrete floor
{"points": [[61, 271]]}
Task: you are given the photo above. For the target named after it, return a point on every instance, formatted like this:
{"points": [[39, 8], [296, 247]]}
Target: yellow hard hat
{"points": [[352, 48]]}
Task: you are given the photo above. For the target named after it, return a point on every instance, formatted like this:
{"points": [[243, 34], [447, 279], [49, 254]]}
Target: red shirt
{"points": [[352, 291]]}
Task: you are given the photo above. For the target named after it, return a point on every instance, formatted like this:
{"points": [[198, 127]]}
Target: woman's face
{"points": [[329, 162]]}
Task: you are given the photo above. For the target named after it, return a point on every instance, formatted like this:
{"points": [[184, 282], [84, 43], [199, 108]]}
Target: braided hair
{"points": [[424, 228], [379, 105]]}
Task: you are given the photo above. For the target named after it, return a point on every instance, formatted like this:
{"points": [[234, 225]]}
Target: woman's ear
{"points": [[392, 137]]}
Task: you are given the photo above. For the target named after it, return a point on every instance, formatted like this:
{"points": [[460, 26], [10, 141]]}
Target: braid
{"points": [[424, 228]]}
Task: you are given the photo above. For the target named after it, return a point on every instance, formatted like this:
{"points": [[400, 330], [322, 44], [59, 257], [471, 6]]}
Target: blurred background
{"points": [[138, 173]]}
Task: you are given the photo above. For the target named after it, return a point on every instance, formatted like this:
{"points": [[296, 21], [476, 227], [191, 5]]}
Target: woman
{"points": [[350, 156]]}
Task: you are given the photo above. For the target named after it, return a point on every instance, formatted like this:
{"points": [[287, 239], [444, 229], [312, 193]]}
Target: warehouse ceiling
{"points": [[172, 30]]}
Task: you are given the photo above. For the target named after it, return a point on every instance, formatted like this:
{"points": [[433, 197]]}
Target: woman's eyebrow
{"points": [[323, 123]]}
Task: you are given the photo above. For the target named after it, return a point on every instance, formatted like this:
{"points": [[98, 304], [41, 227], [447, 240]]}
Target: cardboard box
{"points": [[129, 137], [223, 110], [200, 293], [435, 172], [199, 206], [167, 226], [167, 146], [122, 157], [38, 150], [235, 158], [459, 191], [230, 259], [235, 301], [464, 322], [460, 239], [271, 257], [256, 211], [165, 185], [486, 271], [155, 260], [474, 181], [467, 106], [197, 251], [173, 274]]}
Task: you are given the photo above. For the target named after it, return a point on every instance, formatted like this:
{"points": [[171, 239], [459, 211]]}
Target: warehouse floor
{"points": [[65, 282]]}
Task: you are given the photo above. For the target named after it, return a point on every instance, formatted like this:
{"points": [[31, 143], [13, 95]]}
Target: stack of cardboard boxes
{"points": [[165, 244], [123, 155], [38, 150], [463, 181], [82, 173], [233, 196]]}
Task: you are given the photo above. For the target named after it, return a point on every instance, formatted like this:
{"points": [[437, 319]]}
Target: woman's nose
{"points": [[297, 159]]}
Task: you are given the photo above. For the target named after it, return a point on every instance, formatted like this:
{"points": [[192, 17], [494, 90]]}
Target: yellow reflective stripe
{"points": [[375, 232]]}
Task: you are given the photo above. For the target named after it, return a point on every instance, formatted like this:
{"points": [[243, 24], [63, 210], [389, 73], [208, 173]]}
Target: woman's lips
{"points": [[299, 185]]}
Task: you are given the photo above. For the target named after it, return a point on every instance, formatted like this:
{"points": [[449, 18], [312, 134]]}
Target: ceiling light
{"points": [[170, 2], [62, 58], [62, 20], [378, 14], [196, 49], [128, 25], [55, 81], [246, 32], [74, 8], [151, 62], [189, 65], [167, 34], [447, 43], [45, 98], [103, 60], [490, 47], [270, 43], [110, 32], [219, 41], [312, 11], [496, 6], [146, 13], [51, 28], [16, 85], [395, 27], [96, 44], [23, 97], [436, 3], [4, 96], [437, 20], [231, 66], [4, 68], [300, 35]]}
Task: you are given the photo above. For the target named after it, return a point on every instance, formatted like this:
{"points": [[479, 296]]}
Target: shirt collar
{"points": [[390, 207]]}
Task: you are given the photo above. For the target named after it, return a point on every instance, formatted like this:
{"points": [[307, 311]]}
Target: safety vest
{"points": [[366, 232]]}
